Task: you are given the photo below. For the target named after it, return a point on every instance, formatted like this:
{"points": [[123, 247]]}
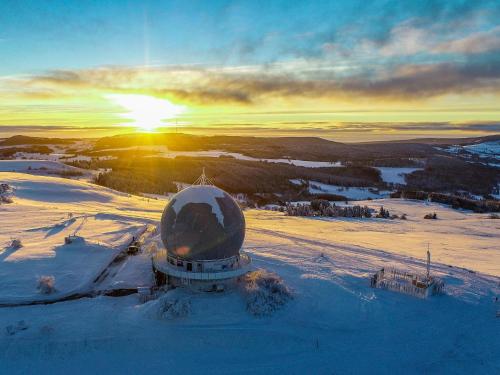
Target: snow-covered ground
{"points": [[163, 151], [44, 212], [394, 175], [44, 167], [59, 152], [335, 324], [352, 192], [485, 150], [216, 154], [29, 165]]}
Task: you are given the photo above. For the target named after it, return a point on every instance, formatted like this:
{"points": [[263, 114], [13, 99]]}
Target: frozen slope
{"points": [[394, 175], [44, 212], [457, 238], [335, 324]]}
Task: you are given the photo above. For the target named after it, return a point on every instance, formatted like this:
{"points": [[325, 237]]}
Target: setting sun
{"points": [[146, 112]]}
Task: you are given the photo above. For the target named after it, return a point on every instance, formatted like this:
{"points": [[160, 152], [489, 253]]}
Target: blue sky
{"points": [[40, 35]]}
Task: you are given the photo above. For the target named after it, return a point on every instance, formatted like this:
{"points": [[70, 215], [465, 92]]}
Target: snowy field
{"points": [[44, 212], [485, 150], [350, 192], [394, 175], [217, 153], [163, 151], [44, 167], [27, 165], [336, 324]]}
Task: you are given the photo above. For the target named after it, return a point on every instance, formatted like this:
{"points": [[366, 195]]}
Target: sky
{"points": [[346, 70]]}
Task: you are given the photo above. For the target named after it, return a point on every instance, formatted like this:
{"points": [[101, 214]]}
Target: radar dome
{"points": [[202, 222]]}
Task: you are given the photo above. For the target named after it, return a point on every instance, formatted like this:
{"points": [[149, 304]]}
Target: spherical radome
{"points": [[202, 222]]}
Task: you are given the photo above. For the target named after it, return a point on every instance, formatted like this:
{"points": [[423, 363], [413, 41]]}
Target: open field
{"points": [[334, 316]]}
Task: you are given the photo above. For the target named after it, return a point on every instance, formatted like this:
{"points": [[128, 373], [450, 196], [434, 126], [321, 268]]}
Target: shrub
{"points": [[319, 204], [4, 188], [265, 292], [16, 244], [173, 308], [5, 193], [432, 216], [383, 213], [68, 173], [5, 199], [46, 284]]}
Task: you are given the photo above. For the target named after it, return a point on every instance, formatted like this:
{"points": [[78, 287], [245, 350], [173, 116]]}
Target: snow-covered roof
{"points": [[200, 194]]}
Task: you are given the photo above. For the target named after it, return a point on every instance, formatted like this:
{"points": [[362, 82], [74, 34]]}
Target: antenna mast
{"points": [[428, 261], [203, 179]]}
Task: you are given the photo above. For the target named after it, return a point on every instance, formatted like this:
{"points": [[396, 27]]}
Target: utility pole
{"points": [[428, 261]]}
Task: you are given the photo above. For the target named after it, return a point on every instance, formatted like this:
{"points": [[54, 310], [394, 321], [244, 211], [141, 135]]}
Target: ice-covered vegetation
{"points": [[16, 244], [265, 292], [5, 194], [324, 208], [173, 307], [46, 284]]}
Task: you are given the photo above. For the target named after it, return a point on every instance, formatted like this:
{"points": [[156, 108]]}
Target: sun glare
{"points": [[146, 112]]}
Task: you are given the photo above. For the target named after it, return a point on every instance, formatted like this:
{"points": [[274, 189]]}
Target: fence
{"points": [[407, 283]]}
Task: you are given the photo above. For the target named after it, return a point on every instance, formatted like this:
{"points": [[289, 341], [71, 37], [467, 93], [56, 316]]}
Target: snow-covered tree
{"points": [[46, 284]]}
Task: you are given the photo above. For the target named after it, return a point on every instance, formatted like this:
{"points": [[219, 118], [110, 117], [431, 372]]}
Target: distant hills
{"points": [[17, 140], [154, 163]]}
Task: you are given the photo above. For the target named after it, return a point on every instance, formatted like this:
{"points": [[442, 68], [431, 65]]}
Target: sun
{"points": [[146, 112]]}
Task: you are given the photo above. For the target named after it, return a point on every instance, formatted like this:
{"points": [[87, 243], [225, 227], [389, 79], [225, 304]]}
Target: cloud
{"points": [[479, 42], [391, 28], [420, 81], [392, 50], [247, 86], [406, 64], [410, 38], [405, 39]]}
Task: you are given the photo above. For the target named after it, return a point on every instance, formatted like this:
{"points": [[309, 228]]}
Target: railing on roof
{"points": [[161, 262]]}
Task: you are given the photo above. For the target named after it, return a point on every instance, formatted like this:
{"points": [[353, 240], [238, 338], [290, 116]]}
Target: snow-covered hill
{"points": [[44, 167], [44, 212], [335, 324], [487, 151]]}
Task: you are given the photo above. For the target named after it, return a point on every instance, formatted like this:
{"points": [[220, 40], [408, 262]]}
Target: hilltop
{"points": [[334, 315]]}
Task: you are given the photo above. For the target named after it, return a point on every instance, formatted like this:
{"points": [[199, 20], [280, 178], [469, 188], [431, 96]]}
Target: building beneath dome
{"points": [[202, 230]]}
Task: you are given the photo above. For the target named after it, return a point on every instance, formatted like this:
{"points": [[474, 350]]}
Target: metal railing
{"points": [[161, 262]]}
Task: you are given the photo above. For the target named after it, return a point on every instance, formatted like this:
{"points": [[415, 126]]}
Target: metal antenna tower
{"points": [[428, 261], [203, 179]]}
